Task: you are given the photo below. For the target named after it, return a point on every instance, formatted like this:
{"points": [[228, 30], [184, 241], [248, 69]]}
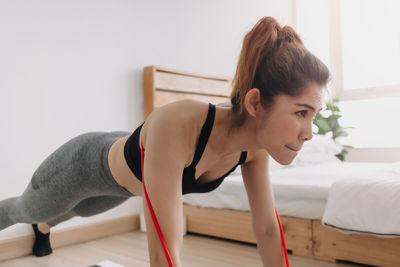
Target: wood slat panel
{"points": [[332, 245], [148, 90], [191, 84], [231, 224], [236, 225], [163, 98], [159, 84], [298, 235]]}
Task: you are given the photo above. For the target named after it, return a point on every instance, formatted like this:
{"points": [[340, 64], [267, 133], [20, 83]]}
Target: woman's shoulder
{"points": [[181, 119], [179, 110]]}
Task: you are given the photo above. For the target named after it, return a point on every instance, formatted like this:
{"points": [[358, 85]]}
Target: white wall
{"points": [[69, 67]]}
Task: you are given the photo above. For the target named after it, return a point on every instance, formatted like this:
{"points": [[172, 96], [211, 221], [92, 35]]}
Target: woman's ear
{"points": [[252, 102]]}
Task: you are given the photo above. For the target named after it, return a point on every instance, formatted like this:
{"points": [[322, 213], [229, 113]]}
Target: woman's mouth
{"points": [[292, 149]]}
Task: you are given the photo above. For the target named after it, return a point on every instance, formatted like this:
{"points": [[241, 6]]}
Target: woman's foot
{"points": [[42, 245]]}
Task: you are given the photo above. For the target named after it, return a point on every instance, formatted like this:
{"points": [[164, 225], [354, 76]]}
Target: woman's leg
{"points": [[6, 207], [85, 208], [76, 171], [96, 205], [36, 205], [44, 228]]}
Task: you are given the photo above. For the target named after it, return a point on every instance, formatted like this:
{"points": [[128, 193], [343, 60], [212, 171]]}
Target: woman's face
{"points": [[289, 123]]}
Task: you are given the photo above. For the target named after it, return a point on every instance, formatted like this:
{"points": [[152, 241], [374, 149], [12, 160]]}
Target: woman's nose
{"points": [[307, 133]]}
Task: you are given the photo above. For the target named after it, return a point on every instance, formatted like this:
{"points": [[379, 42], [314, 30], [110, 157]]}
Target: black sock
{"points": [[42, 245]]}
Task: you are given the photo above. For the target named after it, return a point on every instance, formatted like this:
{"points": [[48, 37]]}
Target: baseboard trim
{"points": [[22, 246]]}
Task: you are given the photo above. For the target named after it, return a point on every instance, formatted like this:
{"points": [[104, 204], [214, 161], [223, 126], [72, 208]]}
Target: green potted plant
{"points": [[330, 124]]}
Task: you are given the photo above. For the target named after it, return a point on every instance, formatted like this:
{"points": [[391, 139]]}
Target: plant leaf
{"points": [[339, 132], [340, 156], [334, 116], [323, 125]]}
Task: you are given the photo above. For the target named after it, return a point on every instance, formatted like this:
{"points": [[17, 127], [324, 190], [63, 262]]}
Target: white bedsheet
{"points": [[298, 191]]}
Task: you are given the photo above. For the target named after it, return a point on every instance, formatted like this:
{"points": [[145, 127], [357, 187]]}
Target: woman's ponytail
{"points": [[274, 60], [256, 44]]}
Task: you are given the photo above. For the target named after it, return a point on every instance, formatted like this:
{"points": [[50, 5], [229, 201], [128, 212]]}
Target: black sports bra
{"points": [[189, 183]]}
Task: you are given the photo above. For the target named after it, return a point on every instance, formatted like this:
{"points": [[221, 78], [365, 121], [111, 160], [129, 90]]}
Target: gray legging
{"points": [[75, 180]]}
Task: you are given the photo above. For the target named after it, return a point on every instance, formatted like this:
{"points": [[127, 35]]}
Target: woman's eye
{"points": [[302, 113]]}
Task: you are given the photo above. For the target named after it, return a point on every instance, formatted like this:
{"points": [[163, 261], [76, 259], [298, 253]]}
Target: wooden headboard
{"points": [[163, 85]]}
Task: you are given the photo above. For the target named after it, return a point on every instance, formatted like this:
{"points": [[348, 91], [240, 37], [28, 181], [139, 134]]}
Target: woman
{"points": [[189, 146]]}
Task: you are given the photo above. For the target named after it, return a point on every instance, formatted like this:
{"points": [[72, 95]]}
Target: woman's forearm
{"points": [[270, 249]]}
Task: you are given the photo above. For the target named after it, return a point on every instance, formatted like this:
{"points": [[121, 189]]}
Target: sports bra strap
{"points": [[243, 157], [204, 134]]}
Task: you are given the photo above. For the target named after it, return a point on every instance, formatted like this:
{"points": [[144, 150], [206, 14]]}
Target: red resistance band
{"points": [[283, 239], [153, 216]]}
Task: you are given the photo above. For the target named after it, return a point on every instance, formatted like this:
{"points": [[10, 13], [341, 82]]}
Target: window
{"points": [[359, 40]]}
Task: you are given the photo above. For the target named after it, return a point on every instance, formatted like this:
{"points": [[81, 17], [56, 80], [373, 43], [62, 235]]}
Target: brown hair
{"points": [[274, 60]]}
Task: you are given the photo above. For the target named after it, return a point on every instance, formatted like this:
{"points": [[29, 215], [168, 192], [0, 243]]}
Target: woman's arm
{"points": [[259, 192], [164, 160]]}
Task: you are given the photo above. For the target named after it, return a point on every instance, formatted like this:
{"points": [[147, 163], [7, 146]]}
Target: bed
{"points": [[318, 202]]}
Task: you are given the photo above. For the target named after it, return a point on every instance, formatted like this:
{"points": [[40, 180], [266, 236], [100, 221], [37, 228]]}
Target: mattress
{"points": [[298, 191], [366, 204]]}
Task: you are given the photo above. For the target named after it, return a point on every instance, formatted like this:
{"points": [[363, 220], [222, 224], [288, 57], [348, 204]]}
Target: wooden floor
{"points": [[130, 249]]}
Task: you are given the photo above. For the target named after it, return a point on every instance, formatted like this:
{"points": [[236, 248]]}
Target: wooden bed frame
{"points": [[304, 237]]}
